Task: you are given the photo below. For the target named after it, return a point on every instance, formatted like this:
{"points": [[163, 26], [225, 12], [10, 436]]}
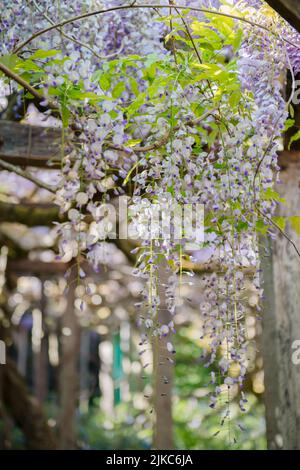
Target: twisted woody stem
{"points": [[154, 7]]}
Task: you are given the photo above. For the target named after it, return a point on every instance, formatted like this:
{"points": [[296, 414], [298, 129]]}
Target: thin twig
{"points": [[133, 6], [73, 38], [285, 235], [269, 219], [25, 174], [24, 84], [48, 103], [159, 143], [189, 35], [173, 48], [187, 29]]}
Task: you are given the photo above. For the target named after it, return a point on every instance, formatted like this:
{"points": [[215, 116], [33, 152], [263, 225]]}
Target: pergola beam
{"points": [[289, 10], [26, 145], [31, 215]]}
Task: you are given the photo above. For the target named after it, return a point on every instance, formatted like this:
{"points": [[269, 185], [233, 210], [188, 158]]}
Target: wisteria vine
{"points": [[167, 103]]}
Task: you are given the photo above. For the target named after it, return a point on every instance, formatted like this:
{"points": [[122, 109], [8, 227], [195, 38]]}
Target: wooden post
{"points": [[163, 374], [281, 323], [21, 339], [68, 376], [105, 376], [41, 354], [7, 424], [34, 145], [84, 370]]}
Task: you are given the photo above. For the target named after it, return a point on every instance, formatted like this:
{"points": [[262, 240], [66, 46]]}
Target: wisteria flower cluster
{"points": [[180, 103]]}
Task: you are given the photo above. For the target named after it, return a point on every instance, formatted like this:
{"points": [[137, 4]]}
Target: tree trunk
{"points": [[69, 377], [281, 324], [7, 424], [18, 405], [25, 410], [84, 370], [162, 375]]}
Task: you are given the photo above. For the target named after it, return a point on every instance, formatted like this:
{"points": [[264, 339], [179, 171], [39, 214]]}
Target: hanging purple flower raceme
{"points": [[226, 161]]}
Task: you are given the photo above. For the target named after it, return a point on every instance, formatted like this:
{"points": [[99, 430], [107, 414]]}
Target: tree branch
{"points": [[159, 143], [25, 174], [73, 38], [9, 73], [132, 6]]}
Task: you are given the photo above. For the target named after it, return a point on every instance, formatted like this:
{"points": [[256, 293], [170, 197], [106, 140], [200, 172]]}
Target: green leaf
{"points": [[134, 85], [269, 195], [261, 227], [281, 222], [202, 29], [133, 142], [41, 54], [211, 68], [237, 40], [224, 25], [151, 59], [57, 61], [28, 65], [136, 104], [65, 115], [235, 98], [170, 189], [150, 72], [79, 95], [295, 223], [220, 166], [29, 96], [241, 226], [130, 172], [118, 90], [212, 72], [294, 138], [9, 60], [131, 58], [104, 81], [103, 78], [288, 124]]}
